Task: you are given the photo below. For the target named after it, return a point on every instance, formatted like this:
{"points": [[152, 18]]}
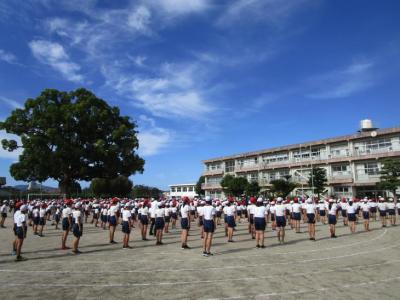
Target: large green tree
{"points": [[317, 180], [143, 191], [198, 188], [234, 186], [120, 186], [71, 136], [390, 176], [282, 187], [253, 189]]}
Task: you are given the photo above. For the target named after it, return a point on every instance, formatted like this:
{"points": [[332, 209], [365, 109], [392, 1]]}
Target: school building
{"points": [[352, 163], [181, 190]]}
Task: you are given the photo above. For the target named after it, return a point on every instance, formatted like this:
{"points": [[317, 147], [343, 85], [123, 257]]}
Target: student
{"points": [[174, 213], [185, 221], [260, 221], [310, 211], [167, 217], [159, 223], [366, 214], [373, 208], [332, 217], [343, 207], [57, 216], [144, 219], [391, 208], [200, 214], [66, 223], [77, 227], [209, 226], [42, 218], [296, 215], [218, 212], [250, 216], [351, 216], [19, 229], [230, 219], [152, 210], [3, 212], [280, 219], [36, 218], [382, 211], [126, 226], [113, 219], [322, 212]]}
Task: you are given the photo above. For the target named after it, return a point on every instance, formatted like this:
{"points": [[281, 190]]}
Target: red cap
{"points": [[18, 205]]}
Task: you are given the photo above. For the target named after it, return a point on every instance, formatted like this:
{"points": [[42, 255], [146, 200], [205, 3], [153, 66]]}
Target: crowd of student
{"points": [[154, 217]]}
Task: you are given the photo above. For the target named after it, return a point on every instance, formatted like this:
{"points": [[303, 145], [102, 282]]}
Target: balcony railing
{"points": [[211, 185]]}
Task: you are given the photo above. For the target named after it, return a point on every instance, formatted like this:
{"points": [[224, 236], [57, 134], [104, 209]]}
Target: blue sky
{"points": [[207, 78]]}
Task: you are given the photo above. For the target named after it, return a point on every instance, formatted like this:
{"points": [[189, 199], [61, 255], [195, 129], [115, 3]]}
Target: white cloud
{"points": [[180, 7], [54, 55], [152, 139], [8, 57], [6, 154], [342, 83], [275, 12], [175, 92], [10, 102], [139, 19]]}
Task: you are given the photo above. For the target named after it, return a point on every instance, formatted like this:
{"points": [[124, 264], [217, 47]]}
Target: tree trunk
{"points": [[394, 196]]}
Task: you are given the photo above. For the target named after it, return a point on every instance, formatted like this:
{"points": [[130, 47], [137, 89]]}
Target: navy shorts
{"points": [[219, 214], [225, 219], [344, 213], [95, 216], [174, 216], [201, 221], [144, 220], [19, 232], [36, 221], [351, 217], [311, 218], [251, 219], [373, 209], [259, 224], [113, 221], [392, 212], [159, 223], [322, 213], [103, 218], [57, 218], [167, 219], [185, 223], [209, 226], [332, 219], [382, 213], [280, 221], [4, 215], [272, 217], [125, 227], [75, 230], [65, 224], [231, 221], [366, 215], [42, 221], [297, 216]]}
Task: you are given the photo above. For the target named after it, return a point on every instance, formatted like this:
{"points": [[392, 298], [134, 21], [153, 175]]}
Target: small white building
{"points": [[180, 190]]}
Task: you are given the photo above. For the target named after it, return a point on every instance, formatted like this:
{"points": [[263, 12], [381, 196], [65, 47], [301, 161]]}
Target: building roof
{"points": [[355, 136], [183, 184]]}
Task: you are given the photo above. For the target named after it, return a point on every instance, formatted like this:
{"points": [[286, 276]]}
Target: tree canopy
{"points": [[198, 188], [318, 180], [143, 191], [253, 188], [234, 186], [120, 186], [390, 175], [282, 187], [71, 136]]}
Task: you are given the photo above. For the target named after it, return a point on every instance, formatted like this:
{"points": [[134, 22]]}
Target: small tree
{"points": [[253, 189], [317, 180], [390, 176], [198, 188], [282, 187], [238, 186]]}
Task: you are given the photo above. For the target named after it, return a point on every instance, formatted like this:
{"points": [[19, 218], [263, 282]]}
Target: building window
{"points": [[371, 168], [184, 189], [191, 188], [230, 166], [341, 189], [178, 189], [173, 190], [340, 168]]}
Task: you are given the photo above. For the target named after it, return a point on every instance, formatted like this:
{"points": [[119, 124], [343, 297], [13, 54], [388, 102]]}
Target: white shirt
{"points": [[76, 214], [365, 207], [3, 209], [310, 208], [159, 213], [390, 205], [333, 209], [126, 215], [200, 210], [208, 212], [229, 210], [280, 210], [42, 212], [260, 212], [113, 211], [185, 211], [19, 218], [296, 207], [251, 208], [351, 209], [66, 212], [382, 206]]}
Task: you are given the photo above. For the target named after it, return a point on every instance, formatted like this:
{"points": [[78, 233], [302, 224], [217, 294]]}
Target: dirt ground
{"points": [[364, 265]]}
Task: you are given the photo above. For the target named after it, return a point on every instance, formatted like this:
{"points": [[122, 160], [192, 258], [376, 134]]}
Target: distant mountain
{"points": [[24, 187]]}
